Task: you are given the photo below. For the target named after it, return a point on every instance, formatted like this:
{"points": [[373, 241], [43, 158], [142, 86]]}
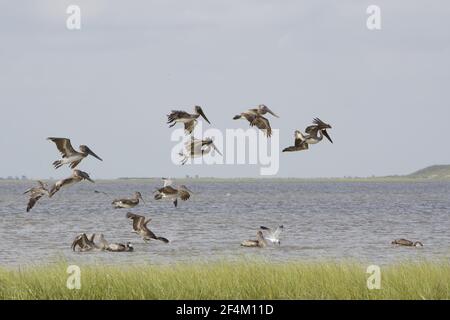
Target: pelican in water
{"points": [[255, 118], [128, 203], [140, 227], [77, 176], [170, 191], [115, 247], [198, 148], [69, 155], [36, 193], [313, 135], [84, 243], [189, 120], [407, 243], [260, 241], [273, 236]]}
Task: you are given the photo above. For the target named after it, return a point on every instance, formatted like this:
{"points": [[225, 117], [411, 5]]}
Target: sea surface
{"points": [[323, 221]]}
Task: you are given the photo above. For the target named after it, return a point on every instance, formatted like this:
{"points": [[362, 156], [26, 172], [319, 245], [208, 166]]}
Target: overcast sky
{"points": [[111, 84]]}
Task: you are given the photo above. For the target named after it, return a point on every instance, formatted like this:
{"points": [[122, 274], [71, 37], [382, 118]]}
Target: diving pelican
{"points": [[170, 191], [115, 247], [84, 243], [273, 236], [255, 118], [77, 176], [69, 155], [407, 243], [128, 203], [140, 227], [198, 148], [313, 135], [36, 193], [189, 120], [260, 241]]}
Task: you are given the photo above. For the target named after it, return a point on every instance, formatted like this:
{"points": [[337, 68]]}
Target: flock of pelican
{"points": [[194, 148]]}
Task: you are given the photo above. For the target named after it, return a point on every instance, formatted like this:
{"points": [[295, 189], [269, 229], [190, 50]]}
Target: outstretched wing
{"points": [[64, 146], [176, 115], [138, 221], [184, 195], [189, 126], [262, 123]]}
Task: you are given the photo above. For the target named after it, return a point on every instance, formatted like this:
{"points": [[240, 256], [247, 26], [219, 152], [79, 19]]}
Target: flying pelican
{"points": [[115, 247], [128, 203], [313, 135], [260, 241], [198, 148], [189, 120], [273, 236], [69, 155], [84, 243], [77, 176], [140, 227], [255, 118], [170, 191], [408, 243], [36, 193]]}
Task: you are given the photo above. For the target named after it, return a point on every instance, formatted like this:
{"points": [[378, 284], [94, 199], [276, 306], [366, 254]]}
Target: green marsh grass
{"points": [[229, 280]]}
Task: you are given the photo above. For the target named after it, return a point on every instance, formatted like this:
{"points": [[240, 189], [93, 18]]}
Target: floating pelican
{"points": [[69, 154], [314, 134], [273, 236], [170, 191], [189, 120], [255, 118], [84, 243], [128, 203], [77, 176], [408, 243], [198, 148], [260, 241], [140, 227], [115, 247], [36, 193]]}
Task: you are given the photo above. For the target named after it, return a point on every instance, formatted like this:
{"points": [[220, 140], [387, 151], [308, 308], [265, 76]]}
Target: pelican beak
{"points": [[325, 133], [272, 113], [217, 150], [89, 151], [200, 112], [140, 197]]}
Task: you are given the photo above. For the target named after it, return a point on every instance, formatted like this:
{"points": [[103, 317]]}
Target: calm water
{"points": [[323, 221]]}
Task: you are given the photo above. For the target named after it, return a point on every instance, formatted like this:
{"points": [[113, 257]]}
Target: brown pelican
{"points": [[140, 227], [189, 120], [128, 203], [84, 243], [70, 156], [77, 176], [115, 247], [273, 236], [314, 134], [408, 243], [198, 148], [255, 118], [36, 193], [299, 143], [260, 241], [170, 191]]}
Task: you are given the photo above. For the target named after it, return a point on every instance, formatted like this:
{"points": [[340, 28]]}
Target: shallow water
{"points": [[323, 221]]}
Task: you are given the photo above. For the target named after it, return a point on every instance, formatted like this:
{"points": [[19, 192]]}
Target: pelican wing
{"points": [[138, 221], [189, 126], [312, 130], [176, 115], [33, 200], [194, 146], [64, 146], [262, 123], [168, 190], [184, 195]]}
